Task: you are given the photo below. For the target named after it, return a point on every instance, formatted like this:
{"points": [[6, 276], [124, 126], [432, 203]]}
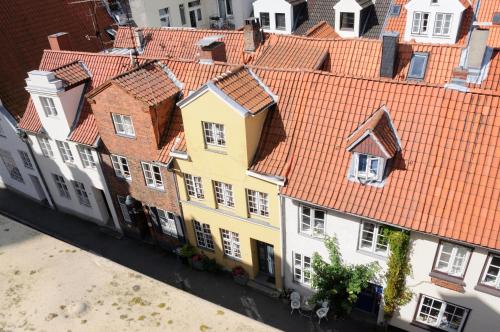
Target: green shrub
{"points": [[187, 251]]}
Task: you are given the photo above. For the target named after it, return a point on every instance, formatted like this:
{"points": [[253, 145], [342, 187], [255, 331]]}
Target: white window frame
{"points": [[281, 28], [435, 316], [119, 164], [257, 203], [124, 209], [165, 16], [302, 270], [167, 222], [81, 193], [346, 20], [442, 24], [123, 125], [65, 151], [86, 157], [495, 282], [451, 268], [49, 108], [11, 166], [417, 25], [224, 194], [26, 159], [415, 55], [231, 243], [152, 175], [61, 186], [44, 143], [369, 173], [313, 226], [203, 234], [194, 186], [268, 25], [214, 134], [376, 242]]}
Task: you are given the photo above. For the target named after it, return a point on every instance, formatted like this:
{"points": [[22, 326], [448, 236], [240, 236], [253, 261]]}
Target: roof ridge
{"points": [[141, 66], [66, 65], [145, 29], [230, 72]]}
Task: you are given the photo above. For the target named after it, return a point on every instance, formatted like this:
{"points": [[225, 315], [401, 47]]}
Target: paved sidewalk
{"points": [[160, 265]]}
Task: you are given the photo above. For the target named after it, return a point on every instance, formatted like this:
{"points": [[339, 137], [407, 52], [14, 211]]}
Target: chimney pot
{"points": [[138, 38], [215, 51], [252, 35], [59, 41], [389, 54]]}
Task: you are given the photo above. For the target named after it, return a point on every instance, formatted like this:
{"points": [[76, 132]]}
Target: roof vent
{"points": [[389, 54], [212, 49], [496, 19]]}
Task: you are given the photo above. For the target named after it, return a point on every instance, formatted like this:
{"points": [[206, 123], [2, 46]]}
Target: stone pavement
{"points": [[163, 266]]}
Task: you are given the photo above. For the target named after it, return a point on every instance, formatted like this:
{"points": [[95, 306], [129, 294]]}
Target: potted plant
{"points": [[240, 276], [186, 252], [197, 262], [210, 265]]}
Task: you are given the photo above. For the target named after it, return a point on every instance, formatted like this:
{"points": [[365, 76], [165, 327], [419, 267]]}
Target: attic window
{"points": [[395, 10], [367, 168], [418, 66], [434, 2], [346, 21]]}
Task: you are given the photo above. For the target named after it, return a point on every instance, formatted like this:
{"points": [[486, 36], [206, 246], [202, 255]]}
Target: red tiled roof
{"points": [[72, 74], [241, 86], [322, 30], [486, 10], [494, 36], [446, 179], [180, 43], [24, 27]]}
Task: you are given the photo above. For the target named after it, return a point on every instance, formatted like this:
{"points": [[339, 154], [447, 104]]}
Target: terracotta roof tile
{"points": [[486, 10], [444, 181], [241, 86], [322, 30], [494, 36], [72, 74], [24, 27]]}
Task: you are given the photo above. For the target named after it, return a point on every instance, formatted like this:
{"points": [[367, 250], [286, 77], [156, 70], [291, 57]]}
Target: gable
{"points": [[369, 146]]}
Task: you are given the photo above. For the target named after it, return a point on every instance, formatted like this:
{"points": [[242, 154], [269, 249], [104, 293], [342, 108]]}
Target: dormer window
{"points": [[434, 2], [214, 134], [369, 167], [347, 21], [420, 23], [123, 125], [442, 24], [48, 106]]}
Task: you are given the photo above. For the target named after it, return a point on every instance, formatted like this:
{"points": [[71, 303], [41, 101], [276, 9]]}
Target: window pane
{"points": [[362, 160]]}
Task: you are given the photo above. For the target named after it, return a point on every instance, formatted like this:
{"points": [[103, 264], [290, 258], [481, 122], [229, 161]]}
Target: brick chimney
{"points": [[389, 54], [60, 41], [252, 35], [211, 49], [138, 39]]}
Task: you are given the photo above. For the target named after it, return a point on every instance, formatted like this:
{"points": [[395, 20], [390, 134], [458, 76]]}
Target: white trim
{"points": [[180, 155], [265, 87], [268, 178]]}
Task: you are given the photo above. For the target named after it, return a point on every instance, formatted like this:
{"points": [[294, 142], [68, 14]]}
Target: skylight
{"points": [[418, 65], [395, 10]]}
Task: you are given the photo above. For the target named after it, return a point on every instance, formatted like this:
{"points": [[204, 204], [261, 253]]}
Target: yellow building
{"points": [[231, 213]]}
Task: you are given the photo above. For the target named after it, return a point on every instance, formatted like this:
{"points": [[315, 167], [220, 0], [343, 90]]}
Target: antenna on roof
{"points": [[93, 16]]}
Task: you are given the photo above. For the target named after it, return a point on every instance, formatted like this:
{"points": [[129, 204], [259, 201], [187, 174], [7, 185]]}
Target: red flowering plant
{"points": [[197, 258], [238, 271]]}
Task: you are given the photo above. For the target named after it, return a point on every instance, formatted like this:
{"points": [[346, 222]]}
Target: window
{"points": [[214, 134], [48, 106], [418, 65], [194, 186], [264, 20], [61, 186], [373, 239], [164, 17], [442, 24], [123, 125], [183, 14], [124, 209], [45, 146], [65, 151], [231, 243], [395, 10], [434, 2], [224, 193], [152, 175], [302, 269], [194, 3], [440, 314], [2, 133], [229, 7], [280, 21], [369, 167], [257, 203], [26, 159], [452, 259], [203, 235], [198, 13], [420, 23], [346, 21], [10, 165], [86, 157], [167, 222], [491, 275], [312, 221], [82, 195], [120, 165]]}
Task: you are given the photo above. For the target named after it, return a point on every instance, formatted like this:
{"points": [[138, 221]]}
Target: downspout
{"points": [[181, 212], [283, 239]]}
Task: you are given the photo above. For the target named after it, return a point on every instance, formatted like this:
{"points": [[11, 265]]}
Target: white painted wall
{"points": [[443, 6], [11, 142], [273, 7], [485, 308], [347, 6], [242, 9], [145, 12]]}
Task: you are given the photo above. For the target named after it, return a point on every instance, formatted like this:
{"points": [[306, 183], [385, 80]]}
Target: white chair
{"points": [[323, 311], [294, 301]]}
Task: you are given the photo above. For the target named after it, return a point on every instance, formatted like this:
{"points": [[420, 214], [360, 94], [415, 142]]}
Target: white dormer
{"points": [[278, 16], [56, 100], [348, 15], [434, 21]]}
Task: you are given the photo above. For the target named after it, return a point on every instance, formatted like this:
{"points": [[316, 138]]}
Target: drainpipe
{"points": [[24, 137], [283, 239]]}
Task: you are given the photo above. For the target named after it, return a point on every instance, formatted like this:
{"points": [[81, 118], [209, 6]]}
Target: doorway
{"points": [[192, 18], [265, 254], [369, 299], [38, 188]]}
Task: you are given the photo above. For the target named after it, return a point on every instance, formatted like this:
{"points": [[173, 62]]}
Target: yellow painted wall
{"points": [[228, 165]]}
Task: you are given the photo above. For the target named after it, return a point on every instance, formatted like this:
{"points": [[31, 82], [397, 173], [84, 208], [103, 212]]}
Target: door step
{"points": [[267, 290]]}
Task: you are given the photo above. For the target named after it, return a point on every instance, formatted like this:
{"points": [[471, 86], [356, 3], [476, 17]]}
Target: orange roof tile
{"points": [[244, 88], [444, 179], [494, 36], [322, 30], [72, 74], [486, 10]]}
